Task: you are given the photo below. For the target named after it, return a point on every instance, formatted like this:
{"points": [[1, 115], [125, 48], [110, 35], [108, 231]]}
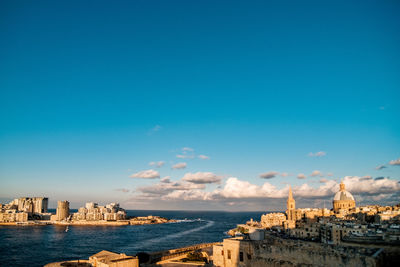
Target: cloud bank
{"points": [[395, 162], [181, 165], [147, 174], [202, 178], [235, 190]]}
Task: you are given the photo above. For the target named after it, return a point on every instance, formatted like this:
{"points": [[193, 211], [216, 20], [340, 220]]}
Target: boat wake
{"points": [[150, 242], [186, 220]]}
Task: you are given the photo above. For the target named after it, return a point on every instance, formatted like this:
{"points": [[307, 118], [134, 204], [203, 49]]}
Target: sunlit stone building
{"points": [[62, 212], [343, 200], [93, 212]]}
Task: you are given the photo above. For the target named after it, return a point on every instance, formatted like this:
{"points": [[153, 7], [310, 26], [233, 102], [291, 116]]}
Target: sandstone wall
{"points": [[285, 252]]}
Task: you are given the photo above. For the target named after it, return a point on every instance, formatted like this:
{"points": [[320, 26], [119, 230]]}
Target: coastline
{"points": [[82, 223]]}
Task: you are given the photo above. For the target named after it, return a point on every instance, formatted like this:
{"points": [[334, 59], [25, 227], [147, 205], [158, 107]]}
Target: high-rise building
{"points": [[40, 204], [32, 205]]}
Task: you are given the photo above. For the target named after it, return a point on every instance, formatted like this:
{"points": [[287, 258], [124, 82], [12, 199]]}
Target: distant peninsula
{"points": [[34, 211]]}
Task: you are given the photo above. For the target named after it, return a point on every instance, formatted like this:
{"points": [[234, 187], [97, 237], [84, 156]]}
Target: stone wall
{"points": [[276, 251], [154, 257]]}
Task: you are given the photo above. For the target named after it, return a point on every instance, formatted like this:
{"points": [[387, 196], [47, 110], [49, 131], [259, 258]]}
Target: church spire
{"points": [[291, 206], [290, 193], [291, 203]]}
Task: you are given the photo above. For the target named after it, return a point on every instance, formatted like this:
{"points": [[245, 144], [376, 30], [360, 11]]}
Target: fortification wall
{"points": [[286, 252], [294, 252]]}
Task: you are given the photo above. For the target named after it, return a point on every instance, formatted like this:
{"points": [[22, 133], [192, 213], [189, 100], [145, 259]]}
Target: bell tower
{"points": [[291, 206]]}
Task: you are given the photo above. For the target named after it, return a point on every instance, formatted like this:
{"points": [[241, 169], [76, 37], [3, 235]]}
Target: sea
{"points": [[39, 245]]}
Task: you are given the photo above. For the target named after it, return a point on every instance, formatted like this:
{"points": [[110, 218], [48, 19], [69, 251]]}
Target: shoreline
{"points": [[81, 223]]}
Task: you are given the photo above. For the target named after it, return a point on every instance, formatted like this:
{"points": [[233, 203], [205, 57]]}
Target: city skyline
{"points": [[208, 106]]}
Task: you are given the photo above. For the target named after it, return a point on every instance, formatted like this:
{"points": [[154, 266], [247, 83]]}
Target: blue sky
{"points": [[92, 91]]}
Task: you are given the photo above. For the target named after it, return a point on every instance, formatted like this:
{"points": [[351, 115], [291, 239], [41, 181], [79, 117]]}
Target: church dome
{"points": [[343, 200], [343, 195]]}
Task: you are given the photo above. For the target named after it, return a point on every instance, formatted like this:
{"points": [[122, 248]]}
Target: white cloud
{"points": [[203, 157], [193, 194], [185, 156], [301, 176], [157, 164], [284, 174], [234, 188], [180, 165], [165, 179], [359, 185], [269, 175], [316, 173], [147, 174], [187, 153], [201, 178], [329, 174], [317, 154], [166, 187], [395, 162], [244, 193]]}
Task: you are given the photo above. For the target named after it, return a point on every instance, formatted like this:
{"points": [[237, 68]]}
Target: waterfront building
{"points": [[91, 205], [62, 212], [20, 209], [11, 216], [31, 205], [270, 220], [93, 212]]}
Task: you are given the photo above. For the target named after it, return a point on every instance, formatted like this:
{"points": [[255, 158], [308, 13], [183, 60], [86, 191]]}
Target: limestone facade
{"points": [[62, 212], [110, 259], [270, 220], [20, 209], [343, 200], [273, 251], [7, 217], [31, 205], [290, 206], [93, 212]]}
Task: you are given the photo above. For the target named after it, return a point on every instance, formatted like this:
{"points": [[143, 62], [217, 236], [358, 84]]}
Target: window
{"points": [[222, 252], [241, 256], [248, 256], [229, 254]]}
